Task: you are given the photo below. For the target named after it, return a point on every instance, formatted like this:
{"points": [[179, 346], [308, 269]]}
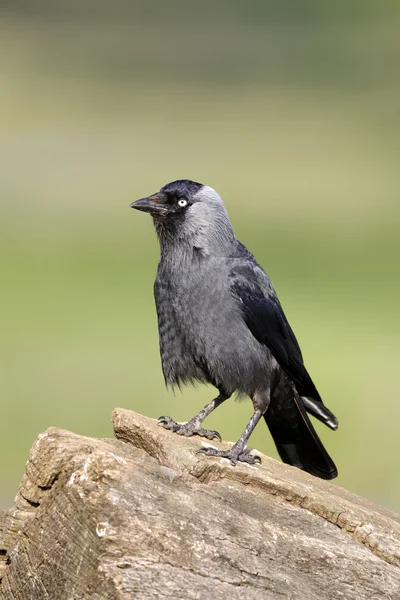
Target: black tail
{"points": [[318, 410], [295, 438]]}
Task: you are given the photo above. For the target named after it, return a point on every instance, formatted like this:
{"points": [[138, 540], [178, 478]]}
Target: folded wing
{"points": [[266, 320]]}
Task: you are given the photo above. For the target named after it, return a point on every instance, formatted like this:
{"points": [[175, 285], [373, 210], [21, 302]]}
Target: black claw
{"points": [[163, 420], [216, 435], [210, 434], [209, 451]]}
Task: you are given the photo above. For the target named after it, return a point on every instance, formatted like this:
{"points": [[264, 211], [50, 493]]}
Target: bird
{"points": [[220, 322]]}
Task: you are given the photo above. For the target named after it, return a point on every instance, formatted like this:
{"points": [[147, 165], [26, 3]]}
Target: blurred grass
{"points": [[305, 154]]}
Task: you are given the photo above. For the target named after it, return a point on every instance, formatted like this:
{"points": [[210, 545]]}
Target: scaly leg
{"points": [[239, 452], [193, 427]]}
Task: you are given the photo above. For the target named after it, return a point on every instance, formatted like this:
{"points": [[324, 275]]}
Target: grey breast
{"points": [[202, 332]]}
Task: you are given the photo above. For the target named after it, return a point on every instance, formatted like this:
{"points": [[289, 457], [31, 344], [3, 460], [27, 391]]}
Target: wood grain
{"points": [[143, 516]]}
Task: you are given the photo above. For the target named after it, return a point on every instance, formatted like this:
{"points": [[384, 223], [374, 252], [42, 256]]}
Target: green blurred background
{"points": [[291, 111]]}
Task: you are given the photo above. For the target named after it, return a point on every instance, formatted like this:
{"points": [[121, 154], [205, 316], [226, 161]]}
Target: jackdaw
{"points": [[220, 321]]}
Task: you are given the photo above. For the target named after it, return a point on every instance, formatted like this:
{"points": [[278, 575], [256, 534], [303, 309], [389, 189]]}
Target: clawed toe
{"points": [[232, 456], [210, 451], [210, 434], [193, 428], [187, 429], [168, 423], [249, 458]]}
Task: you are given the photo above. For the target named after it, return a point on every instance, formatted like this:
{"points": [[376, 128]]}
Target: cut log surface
{"points": [[143, 516]]}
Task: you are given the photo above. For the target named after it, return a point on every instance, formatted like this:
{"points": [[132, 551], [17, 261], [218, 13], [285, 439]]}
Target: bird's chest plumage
{"points": [[189, 296], [202, 332]]}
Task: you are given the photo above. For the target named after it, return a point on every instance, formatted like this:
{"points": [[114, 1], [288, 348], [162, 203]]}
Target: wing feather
{"points": [[267, 322]]}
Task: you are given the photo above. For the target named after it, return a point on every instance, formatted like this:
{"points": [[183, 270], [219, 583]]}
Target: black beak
{"points": [[154, 205]]}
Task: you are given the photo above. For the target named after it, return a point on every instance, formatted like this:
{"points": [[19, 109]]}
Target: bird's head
{"points": [[189, 212], [175, 199]]}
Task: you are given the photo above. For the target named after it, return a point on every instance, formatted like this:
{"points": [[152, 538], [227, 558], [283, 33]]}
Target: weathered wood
{"points": [[105, 519]]}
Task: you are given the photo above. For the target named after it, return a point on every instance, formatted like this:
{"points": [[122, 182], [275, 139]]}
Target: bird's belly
{"points": [[204, 336], [237, 360], [223, 346]]}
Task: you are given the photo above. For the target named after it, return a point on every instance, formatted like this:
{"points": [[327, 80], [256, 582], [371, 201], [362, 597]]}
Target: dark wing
{"points": [[266, 320], [264, 316]]}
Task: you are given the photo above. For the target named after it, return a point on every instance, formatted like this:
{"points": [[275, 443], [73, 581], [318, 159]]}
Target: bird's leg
{"points": [[239, 452], [193, 427]]}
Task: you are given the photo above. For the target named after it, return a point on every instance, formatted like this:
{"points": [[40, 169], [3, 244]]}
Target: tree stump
{"points": [[144, 516]]}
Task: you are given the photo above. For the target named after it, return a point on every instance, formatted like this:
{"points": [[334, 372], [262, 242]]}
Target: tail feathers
{"points": [[295, 438], [320, 412]]}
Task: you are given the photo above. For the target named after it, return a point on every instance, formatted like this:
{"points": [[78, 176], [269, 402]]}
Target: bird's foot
{"points": [[234, 455], [192, 427]]}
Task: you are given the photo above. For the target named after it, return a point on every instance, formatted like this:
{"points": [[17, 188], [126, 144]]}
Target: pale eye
{"points": [[182, 202]]}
